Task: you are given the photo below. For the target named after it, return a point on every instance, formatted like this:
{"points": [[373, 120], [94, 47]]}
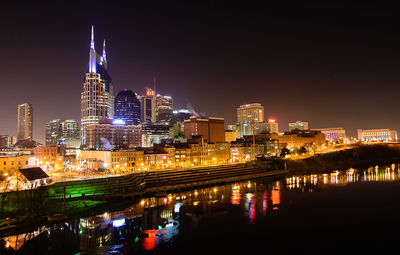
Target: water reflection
{"points": [[313, 182], [154, 221]]}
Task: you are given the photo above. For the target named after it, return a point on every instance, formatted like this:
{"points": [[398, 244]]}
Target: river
{"points": [[333, 212]]}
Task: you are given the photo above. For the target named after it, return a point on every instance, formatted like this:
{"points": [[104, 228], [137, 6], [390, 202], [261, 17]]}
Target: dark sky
{"points": [[328, 64]]}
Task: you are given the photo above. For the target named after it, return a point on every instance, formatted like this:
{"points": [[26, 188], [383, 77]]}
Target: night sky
{"points": [[329, 64]]}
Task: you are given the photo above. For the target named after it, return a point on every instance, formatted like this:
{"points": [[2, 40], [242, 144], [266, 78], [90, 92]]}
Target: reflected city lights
{"points": [[154, 220]]}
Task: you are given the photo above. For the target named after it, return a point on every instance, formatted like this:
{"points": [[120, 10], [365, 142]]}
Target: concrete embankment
{"points": [[360, 156]]}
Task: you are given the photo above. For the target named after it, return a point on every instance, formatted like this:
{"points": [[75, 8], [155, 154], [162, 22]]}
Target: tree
{"points": [[285, 151], [302, 150]]}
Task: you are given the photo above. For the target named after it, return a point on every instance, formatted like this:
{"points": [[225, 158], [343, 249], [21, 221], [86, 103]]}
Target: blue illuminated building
{"points": [[127, 107]]}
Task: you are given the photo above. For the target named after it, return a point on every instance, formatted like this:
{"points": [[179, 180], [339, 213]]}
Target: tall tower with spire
{"points": [[97, 100]]}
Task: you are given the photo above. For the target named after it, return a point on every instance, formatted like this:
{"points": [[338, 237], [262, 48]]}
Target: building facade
{"points": [[273, 126], [212, 129], [148, 106], [127, 107], [48, 157], [109, 134], [6, 141], [248, 118], [231, 135], [298, 138], [333, 134], [300, 125], [97, 100], [164, 107], [154, 133], [25, 121], [377, 135], [14, 162], [250, 113], [62, 132]]}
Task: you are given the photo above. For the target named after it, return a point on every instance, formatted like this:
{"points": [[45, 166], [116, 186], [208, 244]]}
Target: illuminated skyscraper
{"points": [[148, 106], [248, 118], [127, 107], [97, 101], [164, 107], [250, 113], [62, 132], [25, 122]]}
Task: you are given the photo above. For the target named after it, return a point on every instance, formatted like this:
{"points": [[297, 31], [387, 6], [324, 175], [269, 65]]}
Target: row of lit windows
{"points": [[12, 163]]}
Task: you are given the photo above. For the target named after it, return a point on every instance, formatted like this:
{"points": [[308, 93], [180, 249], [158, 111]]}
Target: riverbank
{"points": [[360, 156]]}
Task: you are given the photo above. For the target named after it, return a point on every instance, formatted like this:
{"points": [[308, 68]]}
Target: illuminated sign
{"points": [[150, 92], [118, 122], [118, 223]]}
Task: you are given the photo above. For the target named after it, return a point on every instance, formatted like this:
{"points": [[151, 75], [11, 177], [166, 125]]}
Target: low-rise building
{"points": [[298, 138], [243, 150], [333, 134], [377, 135], [153, 134], [109, 134], [231, 135], [116, 161], [48, 157], [12, 163]]}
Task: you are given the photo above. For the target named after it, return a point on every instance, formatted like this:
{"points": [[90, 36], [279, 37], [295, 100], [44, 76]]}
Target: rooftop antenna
{"points": [[154, 83]]}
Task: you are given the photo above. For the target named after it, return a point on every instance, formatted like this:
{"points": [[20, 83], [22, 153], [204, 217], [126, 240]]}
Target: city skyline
{"points": [[301, 67]]}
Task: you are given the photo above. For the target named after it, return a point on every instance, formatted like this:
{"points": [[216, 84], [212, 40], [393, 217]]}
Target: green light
{"points": [[159, 227], [80, 231], [136, 239]]}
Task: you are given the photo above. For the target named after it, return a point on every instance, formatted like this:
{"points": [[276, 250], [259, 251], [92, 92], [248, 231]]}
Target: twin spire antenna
{"points": [[92, 57]]}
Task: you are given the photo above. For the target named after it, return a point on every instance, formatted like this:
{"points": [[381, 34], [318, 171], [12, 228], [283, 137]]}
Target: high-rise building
{"points": [[148, 106], [164, 107], [97, 101], [7, 141], [273, 126], [127, 107], [212, 129], [53, 132], [25, 121], [62, 132], [300, 125], [248, 115]]}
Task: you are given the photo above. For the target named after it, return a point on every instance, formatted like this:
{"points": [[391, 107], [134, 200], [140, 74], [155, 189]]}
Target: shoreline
{"points": [[361, 156]]}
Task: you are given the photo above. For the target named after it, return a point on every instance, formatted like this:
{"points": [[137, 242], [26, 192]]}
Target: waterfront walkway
{"points": [[155, 181]]}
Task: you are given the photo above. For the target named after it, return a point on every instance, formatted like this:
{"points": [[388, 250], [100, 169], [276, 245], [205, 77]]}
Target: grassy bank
{"points": [[358, 157]]}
